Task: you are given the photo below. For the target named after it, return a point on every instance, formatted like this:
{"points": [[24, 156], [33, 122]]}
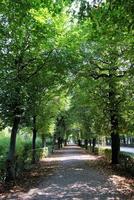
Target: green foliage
{"points": [[126, 160], [23, 153], [26, 53], [4, 143], [105, 64], [58, 62]]}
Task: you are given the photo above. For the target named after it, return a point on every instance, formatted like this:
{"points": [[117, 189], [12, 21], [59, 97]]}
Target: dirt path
{"points": [[73, 180]]}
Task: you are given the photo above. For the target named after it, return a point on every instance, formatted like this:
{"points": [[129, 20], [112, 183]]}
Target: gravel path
{"points": [[73, 180]]}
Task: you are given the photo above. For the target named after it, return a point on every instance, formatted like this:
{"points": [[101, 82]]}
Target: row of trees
{"points": [[103, 97], [30, 71], [52, 51]]}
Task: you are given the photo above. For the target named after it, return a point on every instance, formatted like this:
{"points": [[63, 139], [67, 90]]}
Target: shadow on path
{"points": [[73, 180]]}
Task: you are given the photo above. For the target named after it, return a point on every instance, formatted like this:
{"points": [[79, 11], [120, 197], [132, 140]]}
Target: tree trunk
{"points": [[94, 143], [131, 140], [79, 142], [115, 143], [65, 142], [34, 141], [59, 142], [10, 168], [115, 148], [86, 143], [124, 140]]}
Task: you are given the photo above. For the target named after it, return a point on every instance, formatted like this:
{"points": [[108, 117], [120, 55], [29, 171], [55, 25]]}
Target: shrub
{"points": [[4, 143], [23, 153], [126, 160]]}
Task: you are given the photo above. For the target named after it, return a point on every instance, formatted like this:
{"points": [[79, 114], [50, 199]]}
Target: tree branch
{"points": [[41, 66]]}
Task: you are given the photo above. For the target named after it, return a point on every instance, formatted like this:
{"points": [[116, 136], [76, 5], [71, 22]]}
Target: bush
{"points": [[126, 160], [23, 153], [104, 152], [4, 143]]}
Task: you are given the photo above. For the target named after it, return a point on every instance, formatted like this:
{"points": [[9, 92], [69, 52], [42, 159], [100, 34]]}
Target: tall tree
{"points": [[28, 37]]}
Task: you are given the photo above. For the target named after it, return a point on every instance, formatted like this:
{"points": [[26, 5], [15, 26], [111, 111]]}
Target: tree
{"points": [[107, 33], [28, 38]]}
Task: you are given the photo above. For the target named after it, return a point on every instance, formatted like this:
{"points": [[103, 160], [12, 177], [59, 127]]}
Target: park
{"points": [[66, 99]]}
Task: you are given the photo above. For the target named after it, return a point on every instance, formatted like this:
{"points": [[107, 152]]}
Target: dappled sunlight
{"points": [[75, 190], [116, 178], [73, 153], [78, 169], [71, 157], [122, 184], [75, 180]]}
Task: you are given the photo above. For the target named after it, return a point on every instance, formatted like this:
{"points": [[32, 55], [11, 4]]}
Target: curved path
{"points": [[74, 180]]}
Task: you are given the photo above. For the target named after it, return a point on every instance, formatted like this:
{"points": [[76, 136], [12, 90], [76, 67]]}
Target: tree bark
{"points": [[79, 142], [34, 141], [94, 143], [86, 143], [10, 167], [115, 148], [65, 142], [59, 142], [124, 140], [115, 139]]}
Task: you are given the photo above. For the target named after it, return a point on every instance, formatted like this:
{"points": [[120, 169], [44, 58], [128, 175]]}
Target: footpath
{"points": [[74, 179]]}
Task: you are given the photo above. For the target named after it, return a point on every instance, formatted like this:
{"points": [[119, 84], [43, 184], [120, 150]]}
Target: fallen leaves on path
{"points": [[123, 182], [29, 178]]}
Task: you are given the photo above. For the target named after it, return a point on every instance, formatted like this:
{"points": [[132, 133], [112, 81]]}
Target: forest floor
{"points": [[71, 174]]}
